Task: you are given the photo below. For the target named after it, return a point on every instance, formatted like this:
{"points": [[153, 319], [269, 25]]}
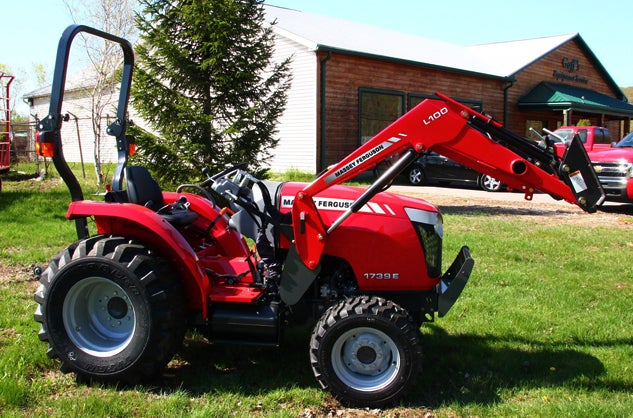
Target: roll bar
{"points": [[50, 126]]}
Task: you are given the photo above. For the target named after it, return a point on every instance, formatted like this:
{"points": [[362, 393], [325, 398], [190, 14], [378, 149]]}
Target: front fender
{"points": [[138, 222]]}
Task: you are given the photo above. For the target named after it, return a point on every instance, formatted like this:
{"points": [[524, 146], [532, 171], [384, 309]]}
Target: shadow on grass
{"points": [[13, 175], [460, 369], [202, 367], [486, 210], [623, 209], [471, 369]]}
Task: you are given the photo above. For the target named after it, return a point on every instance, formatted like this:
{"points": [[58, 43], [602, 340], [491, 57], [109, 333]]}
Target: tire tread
{"points": [[165, 294], [359, 306]]}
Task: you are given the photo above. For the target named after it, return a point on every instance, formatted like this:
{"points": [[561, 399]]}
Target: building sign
{"points": [[569, 69]]}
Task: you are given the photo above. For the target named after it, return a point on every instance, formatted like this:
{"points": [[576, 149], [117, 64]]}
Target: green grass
{"points": [[291, 175], [544, 328]]}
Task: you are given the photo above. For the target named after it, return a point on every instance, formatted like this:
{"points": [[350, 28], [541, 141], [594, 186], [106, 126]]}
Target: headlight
{"points": [[624, 168]]}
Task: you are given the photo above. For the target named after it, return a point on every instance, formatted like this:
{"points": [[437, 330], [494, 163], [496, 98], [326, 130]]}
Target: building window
{"points": [[416, 98], [378, 109], [534, 128]]}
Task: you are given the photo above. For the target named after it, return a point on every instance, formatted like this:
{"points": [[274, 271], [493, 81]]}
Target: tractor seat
{"points": [[143, 190]]}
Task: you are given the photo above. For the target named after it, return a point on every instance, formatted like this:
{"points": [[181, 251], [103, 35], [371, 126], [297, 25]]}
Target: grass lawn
{"points": [[543, 329]]}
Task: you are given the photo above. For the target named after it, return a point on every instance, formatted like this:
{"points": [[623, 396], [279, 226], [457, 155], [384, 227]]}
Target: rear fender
{"points": [[138, 222]]}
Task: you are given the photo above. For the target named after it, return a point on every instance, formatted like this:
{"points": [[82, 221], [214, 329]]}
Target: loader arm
{"points": [[458, 132]]}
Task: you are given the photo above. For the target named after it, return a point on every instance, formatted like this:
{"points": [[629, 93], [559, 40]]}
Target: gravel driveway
{"points": [[542, 207]]}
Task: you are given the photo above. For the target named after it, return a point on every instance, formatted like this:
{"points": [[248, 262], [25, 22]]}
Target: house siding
{"points": [[79, 144], [297, 127]]}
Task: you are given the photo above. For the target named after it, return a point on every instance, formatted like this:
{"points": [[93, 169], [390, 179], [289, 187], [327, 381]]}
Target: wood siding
{"points": [[549, 68], [346, 74]]}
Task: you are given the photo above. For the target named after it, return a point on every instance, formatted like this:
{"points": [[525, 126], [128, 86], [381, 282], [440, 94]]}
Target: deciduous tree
{"points": [[115, 17]]}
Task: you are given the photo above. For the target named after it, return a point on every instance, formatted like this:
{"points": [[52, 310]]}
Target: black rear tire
{"points": [[366, 351], [111, 310]]}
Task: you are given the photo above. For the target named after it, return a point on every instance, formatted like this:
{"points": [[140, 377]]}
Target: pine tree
{"points": [[206, 83]]}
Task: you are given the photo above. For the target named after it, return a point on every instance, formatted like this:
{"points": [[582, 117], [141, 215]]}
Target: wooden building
{"points": [[351, 80]]}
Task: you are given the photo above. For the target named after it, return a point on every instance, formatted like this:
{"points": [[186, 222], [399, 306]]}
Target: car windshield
{"points": [[627, 141], [568, 134]]}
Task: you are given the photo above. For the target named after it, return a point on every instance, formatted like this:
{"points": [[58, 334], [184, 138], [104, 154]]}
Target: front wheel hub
{"points": [[365, 359], [366, 353], [117, 307]]}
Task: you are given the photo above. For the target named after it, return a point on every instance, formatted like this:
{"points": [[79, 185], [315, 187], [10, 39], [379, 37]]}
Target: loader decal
{"points": [[361, 159], [578, 182]]}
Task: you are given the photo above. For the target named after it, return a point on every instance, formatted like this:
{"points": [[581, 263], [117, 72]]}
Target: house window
{"points": [[378, 109], [534, 128], [415, 99]]}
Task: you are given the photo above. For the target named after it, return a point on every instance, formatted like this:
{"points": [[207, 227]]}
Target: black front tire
{"points": [[366, 351], [111, 310]]}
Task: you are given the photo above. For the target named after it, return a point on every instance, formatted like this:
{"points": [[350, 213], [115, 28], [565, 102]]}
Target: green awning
{"points": [[553, 96]]}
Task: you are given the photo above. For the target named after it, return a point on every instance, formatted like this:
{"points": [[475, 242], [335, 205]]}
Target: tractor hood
{"points": [[339, 198]]}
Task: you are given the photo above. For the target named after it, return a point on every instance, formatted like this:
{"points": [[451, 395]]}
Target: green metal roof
{"points": [[554, 96]]}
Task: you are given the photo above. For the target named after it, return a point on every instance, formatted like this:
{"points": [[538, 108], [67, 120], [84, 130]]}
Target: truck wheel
{"points": [[110, 310], [366, 351]]}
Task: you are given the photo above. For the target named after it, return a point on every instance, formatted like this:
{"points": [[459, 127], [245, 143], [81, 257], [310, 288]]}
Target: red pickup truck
{"points": [[595, 138], [614, 167], [612, 162]]}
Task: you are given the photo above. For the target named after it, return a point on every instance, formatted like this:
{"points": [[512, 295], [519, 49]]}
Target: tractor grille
{"points": [[432, 244], [430, 229]]}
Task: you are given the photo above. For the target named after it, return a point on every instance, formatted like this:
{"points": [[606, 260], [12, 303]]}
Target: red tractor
{"points": [[364, 267]]}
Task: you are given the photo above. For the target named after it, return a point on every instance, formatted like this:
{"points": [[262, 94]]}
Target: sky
{"points": [[31, 28]]}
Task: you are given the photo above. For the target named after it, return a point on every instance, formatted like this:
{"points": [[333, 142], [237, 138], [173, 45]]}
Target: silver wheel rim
{"points": [[99, 317], [491, 183], [415, 176], [365, 359]]}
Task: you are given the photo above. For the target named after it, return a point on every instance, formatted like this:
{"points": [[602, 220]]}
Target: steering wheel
{"points": [[199, 188], [213, 178]]}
